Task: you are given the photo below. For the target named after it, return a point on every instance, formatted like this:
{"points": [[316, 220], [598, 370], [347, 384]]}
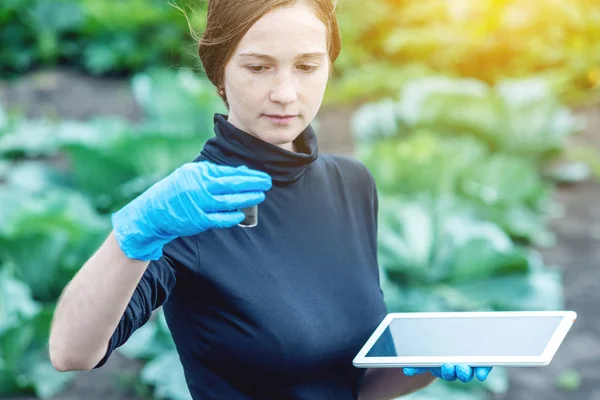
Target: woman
{"points": [[277, 311]]}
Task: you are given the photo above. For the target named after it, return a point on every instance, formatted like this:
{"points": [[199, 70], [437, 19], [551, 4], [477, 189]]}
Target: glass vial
{"points": [[251, 219]]}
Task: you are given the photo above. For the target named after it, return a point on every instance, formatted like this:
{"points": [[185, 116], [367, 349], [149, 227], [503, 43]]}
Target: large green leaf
{"points": [[57, 15], [41, 376], [177, 101], [40, 269], [33, 176], [151, 340], [62, 228], [521, 117], [3, 119], [165, 374], [520, 222], [46, 380], [407, 241], [503, 180], [401, 297], [27, 211], [423, 240], [122, 36], [444, 102], [29, 138], [8, 385], [24, 361], [502, 188], [115, 161], [376, 120], [139, 158], [98, 173], [539, 289], [15, 343], [534, 120], [152, 152], [491, 249], [422, 162], [437, 256], [95, 167], [16, 302], [44, 137], [369, 81], [24, 327]]}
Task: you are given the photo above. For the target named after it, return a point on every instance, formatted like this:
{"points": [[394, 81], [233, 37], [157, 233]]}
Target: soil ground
{"points": [[70, 95]]}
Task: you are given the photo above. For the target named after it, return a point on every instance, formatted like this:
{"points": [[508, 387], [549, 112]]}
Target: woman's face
{"points": [[279, 68]]}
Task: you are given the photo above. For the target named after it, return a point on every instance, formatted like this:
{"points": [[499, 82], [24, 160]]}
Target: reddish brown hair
{"points": [[228, 21]]}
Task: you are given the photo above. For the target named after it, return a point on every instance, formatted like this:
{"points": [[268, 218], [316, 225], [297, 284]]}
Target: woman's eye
{"points": [[307, 68], [261, 68], [256, 68]]}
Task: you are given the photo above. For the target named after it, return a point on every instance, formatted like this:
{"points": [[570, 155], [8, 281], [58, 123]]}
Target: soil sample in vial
{"points": [[251, 219]]}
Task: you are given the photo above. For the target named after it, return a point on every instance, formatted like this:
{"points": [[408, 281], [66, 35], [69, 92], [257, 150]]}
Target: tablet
{"points": [[497, 338]]}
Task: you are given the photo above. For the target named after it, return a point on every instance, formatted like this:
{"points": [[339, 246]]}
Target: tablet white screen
{"points": [[464, 337]]}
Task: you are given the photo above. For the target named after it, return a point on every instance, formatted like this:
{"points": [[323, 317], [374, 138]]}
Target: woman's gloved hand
{"points": [[196, 197], [450, 372]]}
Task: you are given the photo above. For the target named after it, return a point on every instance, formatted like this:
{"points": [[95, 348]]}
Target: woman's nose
{"points": [[284, 91]]}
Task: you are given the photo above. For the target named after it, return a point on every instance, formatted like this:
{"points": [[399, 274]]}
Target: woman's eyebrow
{"points": [[267, 57]]}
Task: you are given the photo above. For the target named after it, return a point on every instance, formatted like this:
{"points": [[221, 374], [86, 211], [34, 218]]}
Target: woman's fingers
{"points": [[238, 184], [451, 372], [482, 372], [448, 372], [232, 202], [226, 219], [218, 171], [464, 373], [408, 371]]}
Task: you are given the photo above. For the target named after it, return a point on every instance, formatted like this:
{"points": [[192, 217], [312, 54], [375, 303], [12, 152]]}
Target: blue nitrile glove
{"points": [[450, 372], [196, 197]]}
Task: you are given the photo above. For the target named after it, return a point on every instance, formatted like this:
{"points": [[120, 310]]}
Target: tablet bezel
{"points": [[568, 318]]}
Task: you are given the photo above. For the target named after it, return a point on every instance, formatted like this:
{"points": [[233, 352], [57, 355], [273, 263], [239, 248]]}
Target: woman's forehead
{"points": [[292, 29]]}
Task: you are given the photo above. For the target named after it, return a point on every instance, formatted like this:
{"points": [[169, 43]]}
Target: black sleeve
{"points": [[375, 210], [368, 186], [374, 205], [152, 291]]}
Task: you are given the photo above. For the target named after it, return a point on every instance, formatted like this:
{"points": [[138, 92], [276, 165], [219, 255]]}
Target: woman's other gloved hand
{"points": [[194, 198], [450, 372]]}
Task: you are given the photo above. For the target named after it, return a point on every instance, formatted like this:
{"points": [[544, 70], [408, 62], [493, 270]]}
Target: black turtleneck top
{"points": [[277, 311]]}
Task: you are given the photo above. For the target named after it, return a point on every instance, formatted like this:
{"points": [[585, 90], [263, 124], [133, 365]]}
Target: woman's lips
{"points": [[281, 120]]}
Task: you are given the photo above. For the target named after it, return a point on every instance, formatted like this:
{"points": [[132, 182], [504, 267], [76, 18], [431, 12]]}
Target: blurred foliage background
{"points": [[462, 109]]}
